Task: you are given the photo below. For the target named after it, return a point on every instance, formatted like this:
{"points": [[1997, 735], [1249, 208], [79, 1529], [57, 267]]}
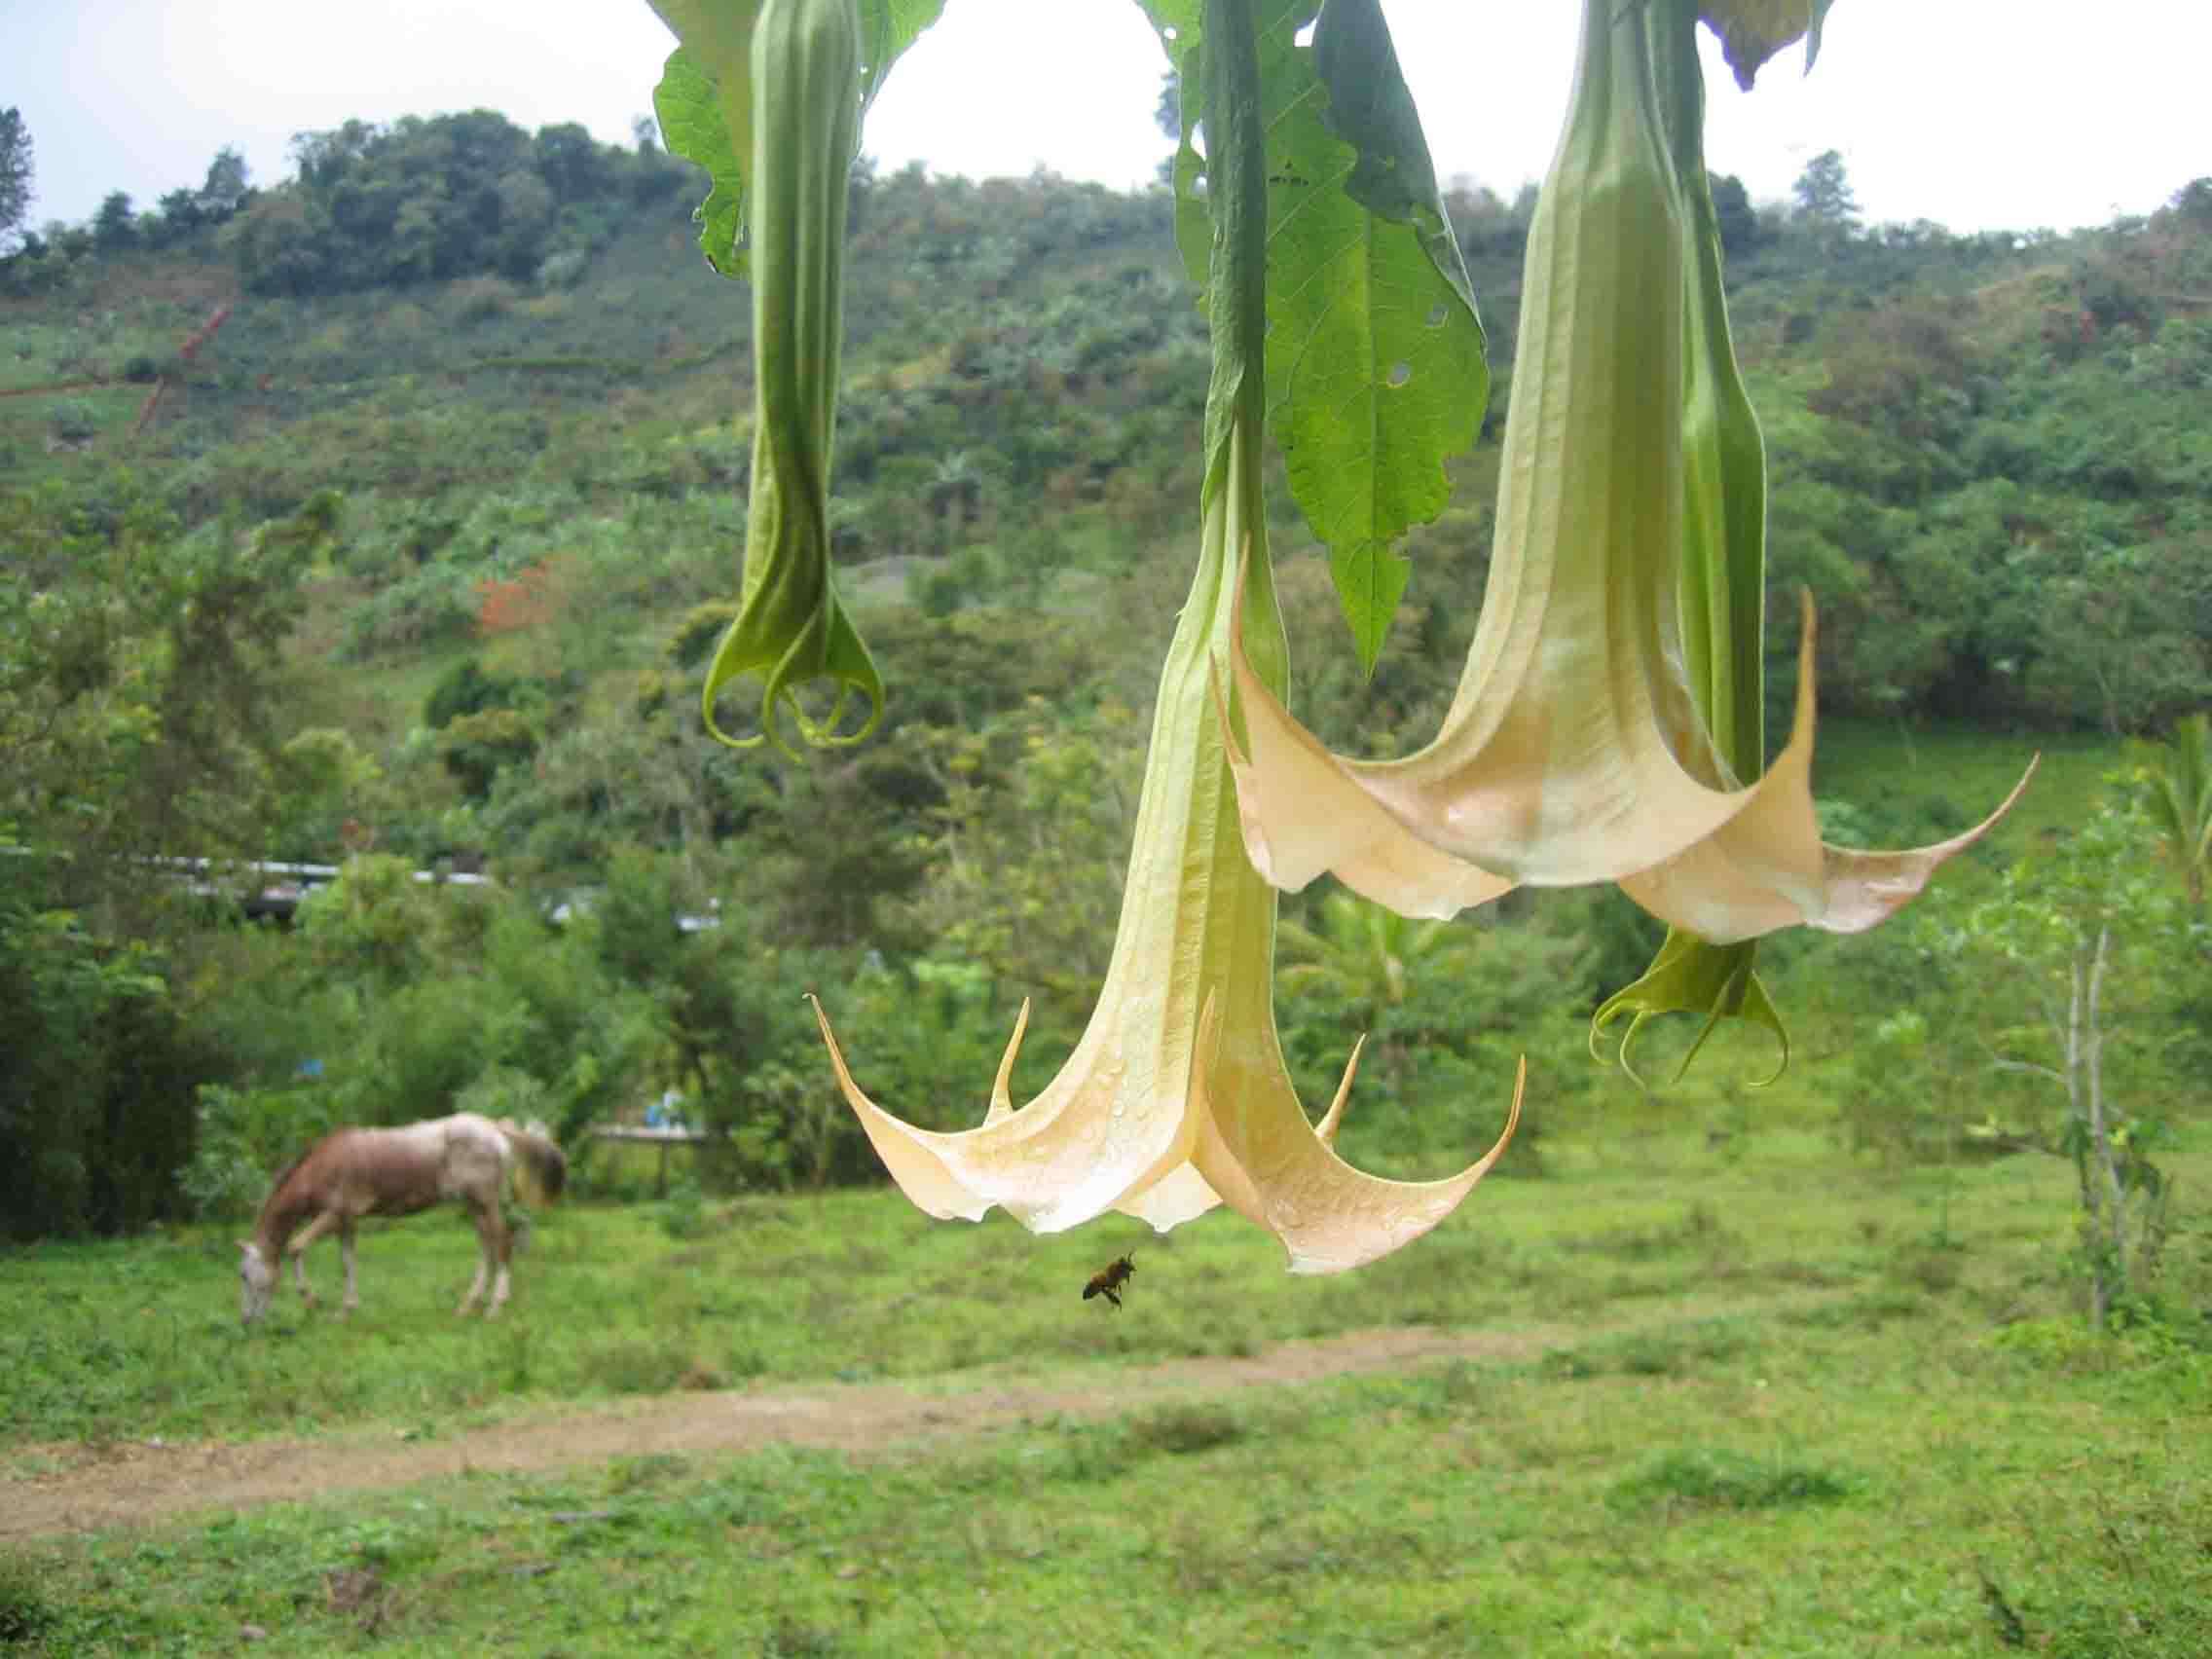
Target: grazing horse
{"points": [[351, 1173]]}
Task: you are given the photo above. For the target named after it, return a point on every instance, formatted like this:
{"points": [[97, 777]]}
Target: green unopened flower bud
{"points": [[805, 74]]}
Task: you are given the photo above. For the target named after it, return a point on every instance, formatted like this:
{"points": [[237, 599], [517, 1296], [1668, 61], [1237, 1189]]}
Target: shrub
{"points": [[73, 423], [563, 270], [683, 1213], [245, 1135], [505, 1093], [700, 631], [480, 299], [436, 602], [26, 1613], [1702, 1478]]}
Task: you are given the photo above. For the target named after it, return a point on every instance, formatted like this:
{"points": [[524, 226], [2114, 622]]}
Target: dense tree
{"points": [[141, 687], [1733, 212], [432, 199], [180, 214], [185, 211], [1823, 192], [2192, 204], [1167, 108], [225, 189], [96, 1117], [14, 174], [115, 227], [572, 163], [139, 673]]}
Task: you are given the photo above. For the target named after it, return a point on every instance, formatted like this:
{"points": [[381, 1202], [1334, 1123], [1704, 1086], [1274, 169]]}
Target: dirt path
{"points": [[138, 1483]]}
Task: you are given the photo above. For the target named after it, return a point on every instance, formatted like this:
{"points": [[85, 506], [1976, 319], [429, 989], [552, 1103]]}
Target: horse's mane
{"points": [[289, 1170]]}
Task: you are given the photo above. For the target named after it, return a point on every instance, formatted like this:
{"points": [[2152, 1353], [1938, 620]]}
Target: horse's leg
{"points": [[486, 1220], [346, 1249], [297, 1249], [504, 1243]]}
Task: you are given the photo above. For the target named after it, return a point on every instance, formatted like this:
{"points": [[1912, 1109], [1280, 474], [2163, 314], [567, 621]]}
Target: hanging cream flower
{"points": [[1579, 747], [1177, 1097]]}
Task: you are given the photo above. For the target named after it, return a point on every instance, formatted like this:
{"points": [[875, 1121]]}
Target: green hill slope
{"points": [[429, 565]]}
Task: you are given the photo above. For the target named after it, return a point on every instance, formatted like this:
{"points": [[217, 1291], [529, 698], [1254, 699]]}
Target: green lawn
{"points": [[1873, 763], [1779, 1404]]}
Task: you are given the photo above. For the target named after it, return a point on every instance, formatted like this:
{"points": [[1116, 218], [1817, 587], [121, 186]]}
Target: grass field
{"points": [[1872, 764], [1768, 1402]]}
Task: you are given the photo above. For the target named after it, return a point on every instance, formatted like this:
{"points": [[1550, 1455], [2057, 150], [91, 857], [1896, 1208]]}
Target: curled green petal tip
{"points": [[790, 648], [1692, 975]]}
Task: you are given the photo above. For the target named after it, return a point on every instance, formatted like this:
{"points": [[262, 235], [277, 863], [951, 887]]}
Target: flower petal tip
{"points": [[1867, 888], [1340, 1218], [922, 1176]]}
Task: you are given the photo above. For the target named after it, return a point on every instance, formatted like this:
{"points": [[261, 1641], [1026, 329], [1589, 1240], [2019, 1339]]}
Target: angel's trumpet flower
{"points": [[1752, 876], [1177, 1097], [1621, 625]]}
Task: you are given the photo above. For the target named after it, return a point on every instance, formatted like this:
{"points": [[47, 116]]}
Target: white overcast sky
{"points": [[1978, 114]]}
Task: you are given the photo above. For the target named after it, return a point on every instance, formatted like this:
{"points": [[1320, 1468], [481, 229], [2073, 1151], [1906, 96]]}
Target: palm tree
{"points": [[1364, 958], [2179, 798], [956, 491]]}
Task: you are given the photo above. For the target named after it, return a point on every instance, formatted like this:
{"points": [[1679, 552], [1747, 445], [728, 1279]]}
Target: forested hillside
{"points": [[387, 515]]}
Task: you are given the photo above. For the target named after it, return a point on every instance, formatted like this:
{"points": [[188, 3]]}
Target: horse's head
{"points": [[257, 1277]]}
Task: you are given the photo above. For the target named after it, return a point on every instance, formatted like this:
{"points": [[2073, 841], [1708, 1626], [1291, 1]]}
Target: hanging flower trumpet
{"points": [[1177, 1097], [1605, 728]]}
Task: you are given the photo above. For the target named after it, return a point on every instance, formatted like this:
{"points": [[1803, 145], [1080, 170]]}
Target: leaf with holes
{"points": [[1375, 354], [687, 103]]}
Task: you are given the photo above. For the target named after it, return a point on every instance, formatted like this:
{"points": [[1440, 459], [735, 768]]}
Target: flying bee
{"points": [[1109, 1280]]}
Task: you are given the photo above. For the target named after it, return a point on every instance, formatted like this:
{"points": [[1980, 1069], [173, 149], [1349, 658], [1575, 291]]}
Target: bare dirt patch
{"points": [[138, 1483]]}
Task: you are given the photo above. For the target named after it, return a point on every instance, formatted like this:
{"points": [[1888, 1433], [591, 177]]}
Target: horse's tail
{"points": [[541, 1167]]}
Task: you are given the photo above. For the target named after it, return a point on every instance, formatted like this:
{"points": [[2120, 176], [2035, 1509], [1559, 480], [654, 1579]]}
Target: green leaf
{"points": [[1180, 26], [888, 27], [1370, 582], [1371, 107], [1376, 364], [704, 101], [692, 119]]}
